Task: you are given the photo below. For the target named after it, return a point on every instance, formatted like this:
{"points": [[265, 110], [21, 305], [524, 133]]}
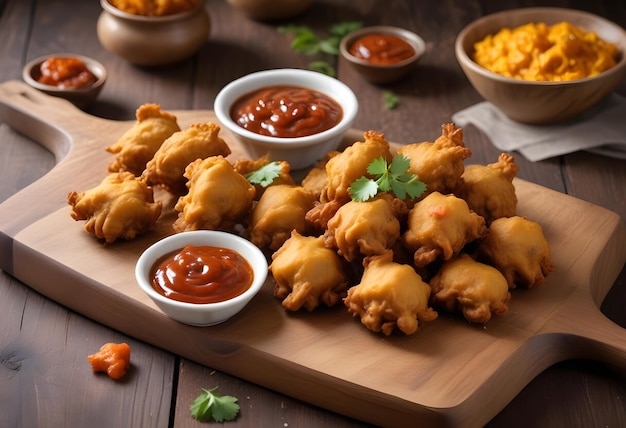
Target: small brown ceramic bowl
{"points": [[383, 73], [535, 102], [153, 40], [80, 97]]}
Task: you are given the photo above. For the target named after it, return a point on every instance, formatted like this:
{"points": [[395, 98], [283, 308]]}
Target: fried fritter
{"points": [[122, 206], [199, 141], [246, 166], [281, 209], [438, 164], [307, 273], [365, 228], [488, 189], [518, 248], [218, 199], [439, 226], [351, 164], [390, 295], [476, 289], [139, 144]]}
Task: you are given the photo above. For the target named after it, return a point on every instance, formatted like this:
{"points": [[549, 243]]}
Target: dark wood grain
{"points": [[45, 379]]}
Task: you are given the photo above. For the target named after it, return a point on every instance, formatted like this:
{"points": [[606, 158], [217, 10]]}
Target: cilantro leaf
{"points": [[265, 175], [391, 100], [305, 41], [210, 405], [393, 178], [322, 67], [363, 189]]}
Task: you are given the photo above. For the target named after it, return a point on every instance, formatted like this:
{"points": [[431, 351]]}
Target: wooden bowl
{"points": [[80, 97], [540, 102], [153, 40], [383, 73]]}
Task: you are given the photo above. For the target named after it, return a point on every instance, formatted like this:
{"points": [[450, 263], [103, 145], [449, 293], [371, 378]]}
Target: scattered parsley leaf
{"points": [[393, 178], [305, 41], [391, 100], [265, 175], [210, 405], [322, 67]]}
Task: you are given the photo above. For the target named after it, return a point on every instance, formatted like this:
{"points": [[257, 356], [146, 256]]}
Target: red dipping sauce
{"points": [[201, 274], [66, 73], [382, 49], [286, 111]]}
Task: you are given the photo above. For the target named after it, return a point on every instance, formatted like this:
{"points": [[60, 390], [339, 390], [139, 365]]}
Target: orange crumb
{"points": [[112, 358]]}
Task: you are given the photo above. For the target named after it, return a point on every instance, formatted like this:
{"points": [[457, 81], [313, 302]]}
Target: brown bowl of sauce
{"points": [[382, 54], [74, 77], [290, 115], [201, 277]]}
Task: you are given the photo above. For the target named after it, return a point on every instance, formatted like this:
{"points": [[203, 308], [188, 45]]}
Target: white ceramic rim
{"points": [[134, 17], [466, 60], [94, 66], [418, 44], [200, 237], [330, 86]]}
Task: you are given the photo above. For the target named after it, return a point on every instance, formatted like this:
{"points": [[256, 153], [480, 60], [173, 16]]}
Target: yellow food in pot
{"points": [[541, 52]]}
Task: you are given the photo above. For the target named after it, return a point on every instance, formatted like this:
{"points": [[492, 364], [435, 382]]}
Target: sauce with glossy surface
{"points": [[381, 49], [201, 274], [66, 73], [286, 111]]}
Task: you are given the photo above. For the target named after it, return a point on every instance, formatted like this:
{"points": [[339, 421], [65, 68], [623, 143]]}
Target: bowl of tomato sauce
{"points": [[382, 54], [76, 78], [290, 115], [201, 277]]}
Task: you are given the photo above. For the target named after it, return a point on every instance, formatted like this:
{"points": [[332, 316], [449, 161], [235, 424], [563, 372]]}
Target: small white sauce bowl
{"points": [[300, 152], [204, 314]]}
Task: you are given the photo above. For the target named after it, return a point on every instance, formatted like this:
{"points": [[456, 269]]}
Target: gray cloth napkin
{"points": [[602, 130]]}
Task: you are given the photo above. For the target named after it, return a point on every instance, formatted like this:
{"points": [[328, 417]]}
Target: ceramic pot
{"points": [[153, 40]]}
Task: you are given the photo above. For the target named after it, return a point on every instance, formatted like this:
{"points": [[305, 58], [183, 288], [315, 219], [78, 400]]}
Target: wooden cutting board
{"points": [[448, 373]]}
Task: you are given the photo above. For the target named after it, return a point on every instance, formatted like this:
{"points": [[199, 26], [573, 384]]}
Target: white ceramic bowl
{"points": [[300, 152], [540, 102], [80, 97], [207, 313]]}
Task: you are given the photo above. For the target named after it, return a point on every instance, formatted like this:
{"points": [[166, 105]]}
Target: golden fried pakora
{"points": [[139, 144], [439, 226], [307, 273], [218, 199], [346, 167], [390, 295], [517, 247], [199, 141], [281, 209], [365, 228], [476, 289], [246, 166], [122, 206], [488, 189], [438, 164]]}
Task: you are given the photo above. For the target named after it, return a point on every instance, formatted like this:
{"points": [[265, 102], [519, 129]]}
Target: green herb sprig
{"points": [[305, 41], [210, 405], [393, 178], [265, 175]]}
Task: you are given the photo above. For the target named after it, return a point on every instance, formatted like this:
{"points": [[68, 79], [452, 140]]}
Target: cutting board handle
{"points": [[41, 117]]}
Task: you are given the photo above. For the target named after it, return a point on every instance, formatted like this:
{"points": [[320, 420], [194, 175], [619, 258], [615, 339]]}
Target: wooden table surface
{"points": [[45, 379]]}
